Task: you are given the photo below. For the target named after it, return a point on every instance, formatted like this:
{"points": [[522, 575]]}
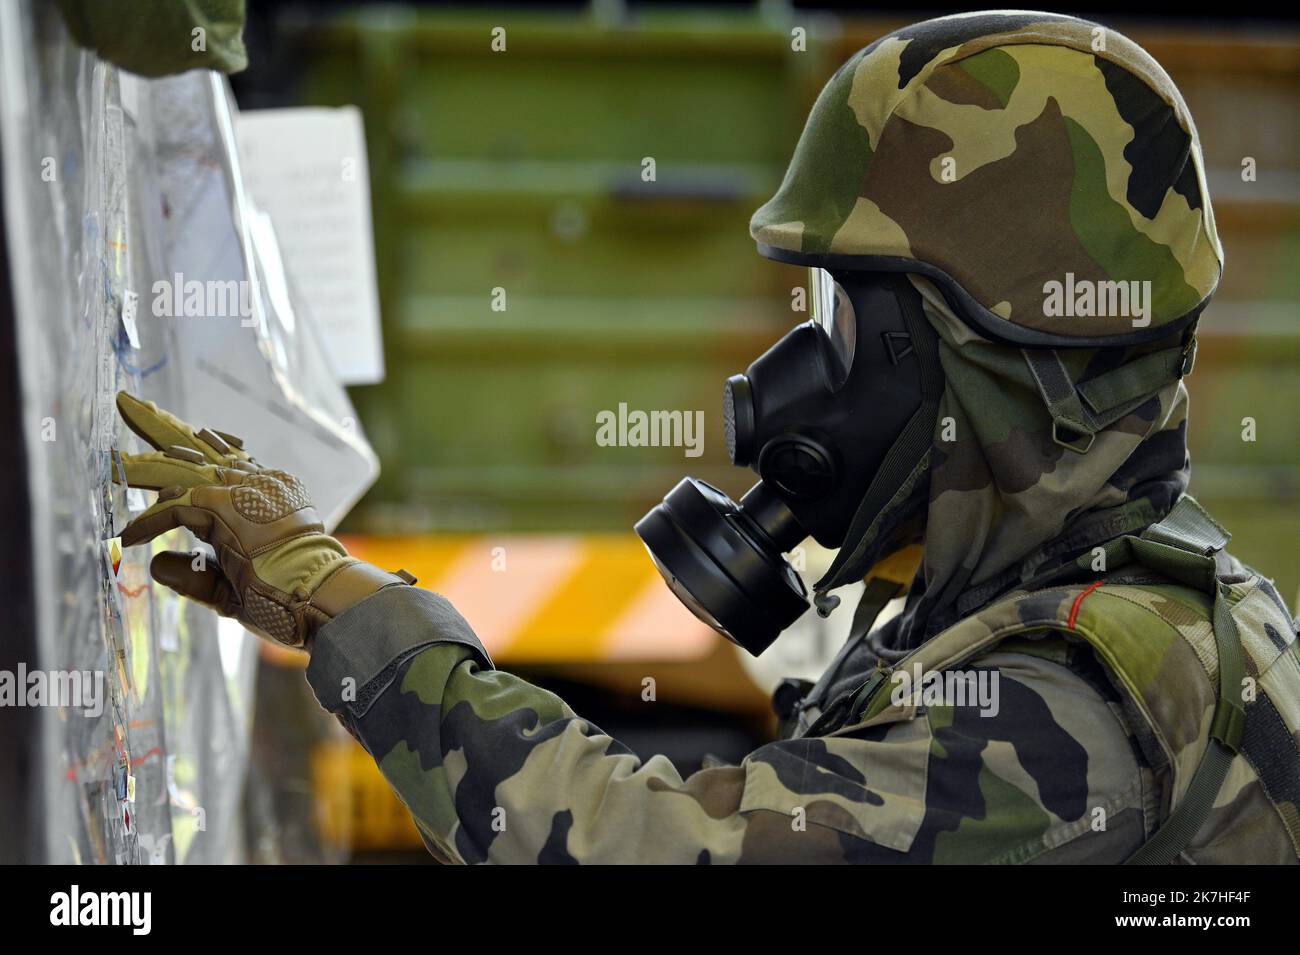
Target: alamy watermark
{"points": [[72, 689], [1085, 298], [74, 907], [961, 688], [651, 429], [179, 297]]}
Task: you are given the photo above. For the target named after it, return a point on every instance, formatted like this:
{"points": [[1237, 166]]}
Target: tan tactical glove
{"points": [[277, 571]]}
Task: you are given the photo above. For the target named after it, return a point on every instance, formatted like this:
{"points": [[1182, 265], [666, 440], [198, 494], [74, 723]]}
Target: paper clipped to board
{"points": [[306, 168]]}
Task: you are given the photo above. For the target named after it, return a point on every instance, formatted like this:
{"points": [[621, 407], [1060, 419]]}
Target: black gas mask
{"points": [[815, 416]]}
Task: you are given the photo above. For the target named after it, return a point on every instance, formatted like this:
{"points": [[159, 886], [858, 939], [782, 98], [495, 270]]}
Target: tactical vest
{"points": [[1209, 660]]}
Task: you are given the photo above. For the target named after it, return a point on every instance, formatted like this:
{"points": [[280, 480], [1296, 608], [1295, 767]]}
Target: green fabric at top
{"points": [[161, 37]]}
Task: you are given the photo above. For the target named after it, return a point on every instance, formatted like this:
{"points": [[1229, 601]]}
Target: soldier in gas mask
{"points": [[1010, 242]]}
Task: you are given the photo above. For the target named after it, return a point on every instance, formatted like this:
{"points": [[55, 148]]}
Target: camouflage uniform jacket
{"points": [[1063, 767]]}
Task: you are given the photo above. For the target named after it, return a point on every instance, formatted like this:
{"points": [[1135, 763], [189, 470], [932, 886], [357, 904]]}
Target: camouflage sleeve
{"points": [[495, 769]]}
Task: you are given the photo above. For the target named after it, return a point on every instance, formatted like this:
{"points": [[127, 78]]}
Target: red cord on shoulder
{"points": [[1074, 611]]}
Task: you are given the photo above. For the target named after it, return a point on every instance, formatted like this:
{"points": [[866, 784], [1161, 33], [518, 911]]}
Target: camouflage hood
{"points": [[1002, 501]]}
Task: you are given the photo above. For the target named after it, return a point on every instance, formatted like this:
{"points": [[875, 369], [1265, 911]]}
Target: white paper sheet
{"points": [[306, 168]]}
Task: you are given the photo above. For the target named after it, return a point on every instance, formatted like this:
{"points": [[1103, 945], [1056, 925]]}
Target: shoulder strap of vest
{"points": [[1183, 545]]}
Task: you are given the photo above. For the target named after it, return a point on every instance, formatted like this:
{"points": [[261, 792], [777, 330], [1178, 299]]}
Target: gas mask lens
{"points": [[832, 312]]}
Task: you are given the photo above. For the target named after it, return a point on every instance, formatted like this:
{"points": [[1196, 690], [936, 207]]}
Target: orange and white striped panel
{"points": [[550, 598]]}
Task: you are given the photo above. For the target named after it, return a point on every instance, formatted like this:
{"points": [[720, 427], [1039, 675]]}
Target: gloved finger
{"points": [[157, 469], [185, 574], [163, 430], [167, 515]]}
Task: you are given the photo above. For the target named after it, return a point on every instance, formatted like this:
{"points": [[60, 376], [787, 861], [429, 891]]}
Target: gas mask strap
{"points": [[908, 455], [889, 579], [878, 593]]}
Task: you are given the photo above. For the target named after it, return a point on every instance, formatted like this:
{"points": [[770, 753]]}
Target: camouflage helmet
{"points": [[997, 154]]}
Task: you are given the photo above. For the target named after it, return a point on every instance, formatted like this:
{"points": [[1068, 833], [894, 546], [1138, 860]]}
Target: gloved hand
{"points": [[277, 571]]}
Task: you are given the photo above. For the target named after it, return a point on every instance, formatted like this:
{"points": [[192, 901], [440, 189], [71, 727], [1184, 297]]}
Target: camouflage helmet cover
{"points": [[996, 153]]}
